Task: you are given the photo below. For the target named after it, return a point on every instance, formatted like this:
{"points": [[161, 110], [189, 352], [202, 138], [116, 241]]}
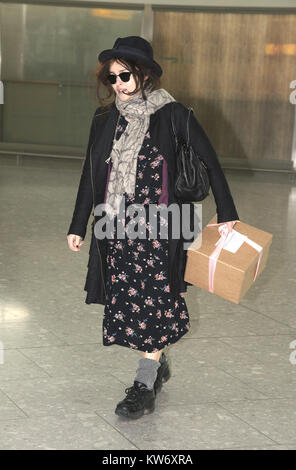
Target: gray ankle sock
{"points": [[147, 371]]}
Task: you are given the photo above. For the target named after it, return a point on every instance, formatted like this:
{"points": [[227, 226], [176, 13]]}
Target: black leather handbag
{"points": [[192, 180]]}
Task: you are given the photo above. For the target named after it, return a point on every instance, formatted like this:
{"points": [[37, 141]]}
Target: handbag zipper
{"points": [[203, 164]]}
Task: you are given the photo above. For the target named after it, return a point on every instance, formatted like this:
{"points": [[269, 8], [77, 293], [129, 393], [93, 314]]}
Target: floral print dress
{"points": [[140, 312]]}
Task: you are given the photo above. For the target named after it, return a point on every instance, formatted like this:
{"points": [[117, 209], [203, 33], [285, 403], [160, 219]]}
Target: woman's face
{"points": [[119, 86]]}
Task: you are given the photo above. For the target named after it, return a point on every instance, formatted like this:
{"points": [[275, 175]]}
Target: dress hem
{"points": [[151, 350]]}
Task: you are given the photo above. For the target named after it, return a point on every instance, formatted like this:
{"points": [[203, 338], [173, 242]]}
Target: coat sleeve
{"points": [[84, 198], [226, 210]]}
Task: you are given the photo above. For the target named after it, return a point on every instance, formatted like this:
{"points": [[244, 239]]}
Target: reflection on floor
{"points": [[233, 378]]}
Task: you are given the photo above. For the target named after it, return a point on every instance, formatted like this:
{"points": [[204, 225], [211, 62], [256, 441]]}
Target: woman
{"points": [[130, 159]]}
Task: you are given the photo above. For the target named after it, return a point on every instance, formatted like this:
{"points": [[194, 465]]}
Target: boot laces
{"points": [[132, 393]]}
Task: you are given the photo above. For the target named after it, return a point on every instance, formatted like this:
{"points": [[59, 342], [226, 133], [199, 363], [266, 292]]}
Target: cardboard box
{"points": [[233, 272]]}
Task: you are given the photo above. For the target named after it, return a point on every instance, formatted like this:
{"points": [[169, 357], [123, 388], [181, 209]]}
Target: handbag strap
{"points": [[174, 128]]}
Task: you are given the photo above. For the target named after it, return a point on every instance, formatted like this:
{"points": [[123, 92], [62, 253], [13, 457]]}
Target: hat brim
{"points": [[115, 53]]}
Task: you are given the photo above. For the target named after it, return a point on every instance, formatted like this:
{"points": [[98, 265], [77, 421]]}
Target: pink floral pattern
{"points": [[140, 312]]}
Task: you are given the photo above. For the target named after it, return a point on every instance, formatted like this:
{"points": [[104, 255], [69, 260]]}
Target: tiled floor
{"points": [[232, 385]]}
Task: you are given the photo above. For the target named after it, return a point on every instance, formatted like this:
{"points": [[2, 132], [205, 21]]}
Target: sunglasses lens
{"points": [[112, 79], [125, 76]]}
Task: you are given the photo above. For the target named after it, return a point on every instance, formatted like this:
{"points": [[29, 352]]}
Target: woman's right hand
{"points": [[74, 242]]}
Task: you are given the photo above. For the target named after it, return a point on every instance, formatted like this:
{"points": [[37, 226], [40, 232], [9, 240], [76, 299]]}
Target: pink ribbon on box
{"points": [[223, 230]]}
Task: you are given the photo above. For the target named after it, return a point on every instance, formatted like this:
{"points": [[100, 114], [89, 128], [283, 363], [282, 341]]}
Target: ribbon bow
{"points": [[223, 230]]}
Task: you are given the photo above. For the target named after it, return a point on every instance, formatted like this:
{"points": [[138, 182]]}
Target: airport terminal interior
{"points": [[234, 372]]}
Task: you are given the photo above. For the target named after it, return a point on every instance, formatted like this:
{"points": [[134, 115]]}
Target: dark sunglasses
{"points": [[124, 76]]}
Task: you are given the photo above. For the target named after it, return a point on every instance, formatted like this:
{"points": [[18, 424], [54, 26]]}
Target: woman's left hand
{"points": [[230, 225]]}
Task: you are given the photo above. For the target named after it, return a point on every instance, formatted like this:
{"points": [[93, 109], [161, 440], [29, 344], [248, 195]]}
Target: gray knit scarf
{"points": [[125, 150]]}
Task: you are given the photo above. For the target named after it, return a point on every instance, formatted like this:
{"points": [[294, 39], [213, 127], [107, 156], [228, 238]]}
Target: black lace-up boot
{"points": [[139, 400]]}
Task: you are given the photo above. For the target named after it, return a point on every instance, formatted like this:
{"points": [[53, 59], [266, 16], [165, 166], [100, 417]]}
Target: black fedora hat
{"points": [[132, 47]]}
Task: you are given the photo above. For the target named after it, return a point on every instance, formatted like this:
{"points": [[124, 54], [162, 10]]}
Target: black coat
{"points": [[93, 180]]}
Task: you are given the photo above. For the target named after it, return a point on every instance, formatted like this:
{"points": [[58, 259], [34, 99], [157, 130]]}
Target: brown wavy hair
{"points": [[139, 72]]}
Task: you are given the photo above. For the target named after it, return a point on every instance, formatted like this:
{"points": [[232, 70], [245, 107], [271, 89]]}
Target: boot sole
{"points": [[136, 414]]}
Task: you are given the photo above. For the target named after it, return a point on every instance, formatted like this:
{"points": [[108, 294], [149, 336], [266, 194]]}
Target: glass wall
{"points": [[235, 70], [49, 54]]}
